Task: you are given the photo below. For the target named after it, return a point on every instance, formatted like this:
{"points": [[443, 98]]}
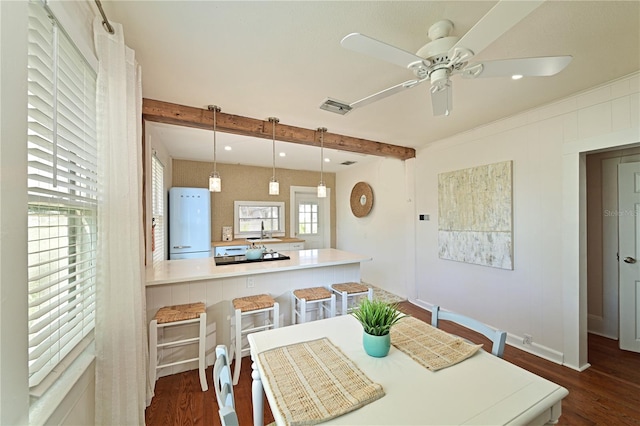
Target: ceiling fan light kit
{"points": [[447, 55]]}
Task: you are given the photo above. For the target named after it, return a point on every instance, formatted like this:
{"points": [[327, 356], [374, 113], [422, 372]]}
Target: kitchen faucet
{"points": [[262, 234]]}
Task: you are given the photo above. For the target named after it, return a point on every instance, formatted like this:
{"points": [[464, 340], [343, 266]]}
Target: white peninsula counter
{"points": [[189, 270], [174, 282]]}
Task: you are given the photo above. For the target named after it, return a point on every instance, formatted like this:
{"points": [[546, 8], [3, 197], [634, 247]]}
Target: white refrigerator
{"points": [[189, 223]]}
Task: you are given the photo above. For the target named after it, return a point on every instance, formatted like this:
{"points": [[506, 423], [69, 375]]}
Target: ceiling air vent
{"points": [[348, 163], [336, 106]]}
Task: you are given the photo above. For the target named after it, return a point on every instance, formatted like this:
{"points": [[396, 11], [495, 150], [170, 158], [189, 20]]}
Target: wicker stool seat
{"points": [[179, 312], [178, 315], [323, 300], [253, 303], [350, 293], [250, 307]]}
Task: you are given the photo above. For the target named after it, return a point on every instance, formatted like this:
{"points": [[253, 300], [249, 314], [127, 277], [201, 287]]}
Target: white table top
{"points": [[483, 389], [183, 270]]}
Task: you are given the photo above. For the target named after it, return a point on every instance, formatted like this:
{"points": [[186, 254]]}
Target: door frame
{"points": [[574, 241], [324, 203]]}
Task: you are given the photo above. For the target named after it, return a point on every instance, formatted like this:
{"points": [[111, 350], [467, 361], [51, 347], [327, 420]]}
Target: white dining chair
{"points": [[223, 385], [498, 337]]}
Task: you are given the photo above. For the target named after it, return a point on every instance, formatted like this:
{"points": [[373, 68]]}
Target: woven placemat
{"points": [[314, 381], [430, 347]]}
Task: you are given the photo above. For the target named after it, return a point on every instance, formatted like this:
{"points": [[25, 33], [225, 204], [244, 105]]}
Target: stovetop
{"points": [[232, 260]]}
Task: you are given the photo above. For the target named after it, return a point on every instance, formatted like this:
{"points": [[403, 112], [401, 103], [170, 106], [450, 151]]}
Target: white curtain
{"points": [[121, 348]]}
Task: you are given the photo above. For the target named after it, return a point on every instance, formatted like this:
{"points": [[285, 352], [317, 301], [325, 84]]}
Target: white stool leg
{"points": [[293, 308], [238, 347], [276, 315], [332, 306], [303, 311], [153, 351], [370, 294], [202, 365], [345, 303]]}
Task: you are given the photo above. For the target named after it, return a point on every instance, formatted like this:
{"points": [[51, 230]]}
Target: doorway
{"points": [[310, 217], [603, 296]]}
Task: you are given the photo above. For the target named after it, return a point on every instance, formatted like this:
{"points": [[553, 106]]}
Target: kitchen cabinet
{"points": [[239, 250], [284, 246]]}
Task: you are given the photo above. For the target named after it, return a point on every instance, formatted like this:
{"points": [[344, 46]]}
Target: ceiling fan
{"points": [[446, 55]]}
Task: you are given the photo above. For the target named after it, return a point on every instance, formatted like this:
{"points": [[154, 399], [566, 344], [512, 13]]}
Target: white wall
{"points": [[545, 294], [14, 397], [77, 401], [386, 234]]}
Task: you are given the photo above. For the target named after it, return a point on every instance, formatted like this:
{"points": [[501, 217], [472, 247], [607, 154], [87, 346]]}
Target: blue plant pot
{"points": [[376, 346]]}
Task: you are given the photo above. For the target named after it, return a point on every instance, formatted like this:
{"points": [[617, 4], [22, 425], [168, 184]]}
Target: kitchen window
{"points": [[253, 217], [62, 195], [157, 201]]}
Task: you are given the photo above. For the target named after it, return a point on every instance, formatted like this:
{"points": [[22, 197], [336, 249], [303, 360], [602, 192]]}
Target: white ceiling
{"points": [[282, 59]]}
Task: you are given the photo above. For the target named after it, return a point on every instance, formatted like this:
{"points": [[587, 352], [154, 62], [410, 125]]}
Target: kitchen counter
{"points": [[189, 270], [174, 282]]}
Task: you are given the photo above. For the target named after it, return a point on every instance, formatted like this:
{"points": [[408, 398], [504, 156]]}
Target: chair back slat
{"points": [[222, 383], [498, 337]]}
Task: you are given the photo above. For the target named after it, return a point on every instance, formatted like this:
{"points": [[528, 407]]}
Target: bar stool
{"points": [[178, 315], [349, 293], [244, 307], [302, 298]]}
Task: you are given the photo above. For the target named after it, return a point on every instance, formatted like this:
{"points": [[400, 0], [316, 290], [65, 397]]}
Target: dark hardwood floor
{"points": [[608, 393]]}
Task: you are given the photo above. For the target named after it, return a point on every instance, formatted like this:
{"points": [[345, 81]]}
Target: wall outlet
{"points": [[528, 339], [250, 282]]}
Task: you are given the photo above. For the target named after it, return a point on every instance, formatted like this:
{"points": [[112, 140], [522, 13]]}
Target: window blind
{"points": [[62, 193], [157, 201]]}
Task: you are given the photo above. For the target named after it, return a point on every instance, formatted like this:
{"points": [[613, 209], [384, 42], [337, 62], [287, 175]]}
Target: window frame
{"points": [[314, 224], [62, 180], [258, 205], [158, 218]]}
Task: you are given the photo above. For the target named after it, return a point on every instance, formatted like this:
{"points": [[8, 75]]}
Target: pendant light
{"points": [[215, 183], [322, 189], [274, 186]]}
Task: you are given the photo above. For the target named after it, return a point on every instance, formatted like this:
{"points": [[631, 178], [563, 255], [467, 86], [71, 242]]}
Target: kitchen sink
{"points": [[264, 240]]}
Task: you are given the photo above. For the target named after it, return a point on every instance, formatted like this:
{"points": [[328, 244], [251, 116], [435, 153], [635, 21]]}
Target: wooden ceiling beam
{"points": [[165, 112]]}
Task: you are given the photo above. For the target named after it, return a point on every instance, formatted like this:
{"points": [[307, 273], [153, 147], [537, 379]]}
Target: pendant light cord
{"points": [[215, 110], [322, 130], [273, 121]]}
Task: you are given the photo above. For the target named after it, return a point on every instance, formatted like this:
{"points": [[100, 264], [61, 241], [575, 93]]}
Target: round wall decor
{"points": [[361, 199]]}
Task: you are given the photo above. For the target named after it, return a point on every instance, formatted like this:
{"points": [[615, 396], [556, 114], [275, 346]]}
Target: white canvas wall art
{"points": [[475, 215]]}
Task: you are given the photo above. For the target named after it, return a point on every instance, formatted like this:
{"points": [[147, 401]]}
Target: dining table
{"points": [[396, 389]]}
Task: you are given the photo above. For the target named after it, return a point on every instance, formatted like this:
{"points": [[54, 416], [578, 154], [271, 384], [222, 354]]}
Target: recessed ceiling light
{"points": [[227, 148], [327, 160], [283, 154], [516, 76]]}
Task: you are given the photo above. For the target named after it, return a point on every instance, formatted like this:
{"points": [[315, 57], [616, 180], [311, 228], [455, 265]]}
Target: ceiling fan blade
{"points": [[442, 99], [369, 46], [526, 67], [386, 93], [504, 15]]}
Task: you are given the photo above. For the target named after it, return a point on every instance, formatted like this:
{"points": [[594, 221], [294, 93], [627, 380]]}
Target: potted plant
{"points": [[376, 318]]}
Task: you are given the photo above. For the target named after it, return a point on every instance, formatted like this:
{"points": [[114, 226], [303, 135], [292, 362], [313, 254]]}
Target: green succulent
{"points": [[377, 316]]}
